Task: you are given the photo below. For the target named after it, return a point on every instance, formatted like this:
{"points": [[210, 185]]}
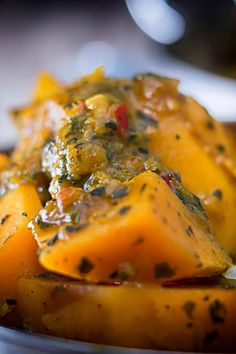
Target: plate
{"points": [[20, 342]]}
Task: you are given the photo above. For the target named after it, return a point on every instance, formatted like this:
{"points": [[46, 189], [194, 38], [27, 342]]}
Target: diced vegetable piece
{"points": [[96, 75], [46, 87], [201, 175], [148, 234], [17, 245], [142, 316], [191, 142], [4, 161], [122, 118]]}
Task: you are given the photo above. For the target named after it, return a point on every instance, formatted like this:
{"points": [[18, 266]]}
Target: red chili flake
{"points": [[82, 104], [122, 118], [167, 179]]}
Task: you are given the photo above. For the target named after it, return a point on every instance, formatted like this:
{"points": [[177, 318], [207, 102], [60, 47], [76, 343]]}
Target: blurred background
{"points": [[192, 40]]}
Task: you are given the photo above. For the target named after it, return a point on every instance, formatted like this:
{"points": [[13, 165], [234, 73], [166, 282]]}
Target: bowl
{"points": [[21, 342]]}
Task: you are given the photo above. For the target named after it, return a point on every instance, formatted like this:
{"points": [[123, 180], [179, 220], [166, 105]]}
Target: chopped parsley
{"points": [[210, 124], [70, 229], [52, 240], [189, 231], [210, 337], [163, 270], [124, 271], [124, 209], [42, 224], [119, 193], [217, 311], [10, 302], [97, 192], [4, 219], [143, 150], [220, 148], [111, 125], [146, 118], [218, 193], [189, 307], [85, 266], [144, 186]]}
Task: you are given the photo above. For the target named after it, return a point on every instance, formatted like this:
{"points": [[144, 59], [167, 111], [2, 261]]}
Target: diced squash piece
{"points": [[147, 235], [140, 316], [190, 141], [46, 87], [4, 162], [201, 174], [96, 75], [17, 245]]}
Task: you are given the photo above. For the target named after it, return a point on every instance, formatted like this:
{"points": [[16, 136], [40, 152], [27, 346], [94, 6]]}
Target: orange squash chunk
{"points": [[199, 318], [17, 245], [46, 87], [148, 235], [189, 141], [201, 174]]}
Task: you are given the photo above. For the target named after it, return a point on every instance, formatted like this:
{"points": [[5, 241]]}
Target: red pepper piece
{"points": [[167, 179], [82, 104], [122, 118]]}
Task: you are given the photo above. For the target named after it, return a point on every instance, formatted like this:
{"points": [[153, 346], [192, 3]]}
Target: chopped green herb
{"points": [[85, 266], [111, 125], [45, 275], [143, 150], [206, 298], [189, 307], [217, 311], [98, 191], [144, 186], [110, 153], [218, 193], [163, 270], [189, 231], [220, 148], [123, 272], [73, 140], [4, 219], [24, 214], [62, 178], [132, 137], [52, 240], [139, 241], [210, 337], [124, 210], [72, 229], [177, 137], [114, 274], [42, 224], [69, 105], [190, 200], [146, 117], [119, 193], [11, 302], [76, 217], [210, 125]]}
